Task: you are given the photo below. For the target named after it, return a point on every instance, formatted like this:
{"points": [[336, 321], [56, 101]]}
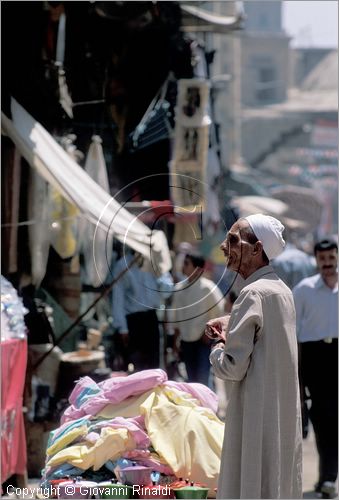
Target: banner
{"points": [[191, 141]]}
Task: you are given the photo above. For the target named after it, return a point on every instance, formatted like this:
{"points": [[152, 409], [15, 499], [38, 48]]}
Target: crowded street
{"points": [[169, 223]]}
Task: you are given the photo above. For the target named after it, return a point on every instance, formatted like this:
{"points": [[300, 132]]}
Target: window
{"points": [[267, 74], [266, 84], [263, 22]]}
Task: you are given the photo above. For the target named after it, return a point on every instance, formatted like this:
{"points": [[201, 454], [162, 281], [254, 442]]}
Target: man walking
{"points": [[316, 302], [257, 351]]}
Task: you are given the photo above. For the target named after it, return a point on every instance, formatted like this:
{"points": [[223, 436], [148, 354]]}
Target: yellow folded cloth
{"points": [[128, 408], [110, 446], [188, 438], [66, 439]]}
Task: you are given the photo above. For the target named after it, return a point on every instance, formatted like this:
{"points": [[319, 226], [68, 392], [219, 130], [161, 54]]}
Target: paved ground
{"points": [[310, 466]]}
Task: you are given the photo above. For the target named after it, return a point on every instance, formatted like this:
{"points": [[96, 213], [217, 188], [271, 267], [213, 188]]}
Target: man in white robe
{"points": [[257, 352]]}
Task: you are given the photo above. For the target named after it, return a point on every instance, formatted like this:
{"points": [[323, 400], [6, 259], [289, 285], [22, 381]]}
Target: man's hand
{"points": [[218, 345], [217, 328]]}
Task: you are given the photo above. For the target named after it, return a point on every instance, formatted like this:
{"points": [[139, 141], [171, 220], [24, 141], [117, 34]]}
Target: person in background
{"points": [[136, 298], [316, 301], [178, 260], [256, 350], [292, 265], [195, 301]]}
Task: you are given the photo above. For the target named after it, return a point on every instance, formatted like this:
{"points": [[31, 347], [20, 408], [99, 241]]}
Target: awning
{"points": [[248, 205], [42, 152], [302, 201], [196, 20]]}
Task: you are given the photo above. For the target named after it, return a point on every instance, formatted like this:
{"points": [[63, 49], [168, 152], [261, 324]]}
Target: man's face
{"points": [[327, 261], [237, 250], [188, 267]]}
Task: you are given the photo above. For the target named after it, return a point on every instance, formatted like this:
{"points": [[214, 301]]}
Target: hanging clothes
{"points": [[11, 180], [64, 216], [97, 243], [39, 233], [212, 213], [53, 163], [54, 53]]}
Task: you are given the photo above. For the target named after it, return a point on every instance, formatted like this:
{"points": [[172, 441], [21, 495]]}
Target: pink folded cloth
{"points": [[143, 457], [201, 392], [89, 398]]}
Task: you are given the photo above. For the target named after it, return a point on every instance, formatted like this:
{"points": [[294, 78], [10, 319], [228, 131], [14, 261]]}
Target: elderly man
{"points": [[257, 350]]}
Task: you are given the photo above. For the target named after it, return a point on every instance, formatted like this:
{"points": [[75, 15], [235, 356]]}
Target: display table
{"points": [[13, 440]]}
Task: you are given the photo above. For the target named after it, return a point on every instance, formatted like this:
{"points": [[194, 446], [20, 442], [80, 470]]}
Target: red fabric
{"points": [[13, 439], [161, 208]]}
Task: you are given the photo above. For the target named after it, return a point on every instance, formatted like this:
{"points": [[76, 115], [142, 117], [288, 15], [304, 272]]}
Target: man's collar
{"points": [[320, 282], [259, 273]]}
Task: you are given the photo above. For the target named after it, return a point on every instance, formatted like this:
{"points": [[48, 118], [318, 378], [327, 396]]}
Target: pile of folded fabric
{"points": [[169, 426]]}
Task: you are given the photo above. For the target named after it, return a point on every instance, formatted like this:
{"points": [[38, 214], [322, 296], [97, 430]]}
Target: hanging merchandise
{"points": [[154, 125], [59, 73], [52, 162], [12, 312], [212, 214], [64, 220], [192, 102], [97, 243], [13, 368], [64, 96], [191, 140], [39, 233], [11, 202], [54, 55], [64, 215], [65, 99]]}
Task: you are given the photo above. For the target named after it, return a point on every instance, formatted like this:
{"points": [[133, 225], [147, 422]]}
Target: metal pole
{"points": [[77, 321], [237, 105]]}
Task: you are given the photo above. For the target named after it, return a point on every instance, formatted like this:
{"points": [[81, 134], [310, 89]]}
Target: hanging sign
{"points": [[191, 140]]}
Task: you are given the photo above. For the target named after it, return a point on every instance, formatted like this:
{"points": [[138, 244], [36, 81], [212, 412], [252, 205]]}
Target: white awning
{"points": [[197, 20], [248, 205], [42, 152]]}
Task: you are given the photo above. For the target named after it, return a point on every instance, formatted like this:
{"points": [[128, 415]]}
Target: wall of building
{"points": [[257, 61], [222, 78], [303, 61], [265, 69], [263, 17], [261, 133]]}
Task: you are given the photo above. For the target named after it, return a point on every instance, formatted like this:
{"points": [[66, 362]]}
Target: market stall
{"points": [[13, 368], [123, 423]]}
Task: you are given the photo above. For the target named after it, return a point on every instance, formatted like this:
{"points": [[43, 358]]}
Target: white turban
{"points": [[269, 231]]}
